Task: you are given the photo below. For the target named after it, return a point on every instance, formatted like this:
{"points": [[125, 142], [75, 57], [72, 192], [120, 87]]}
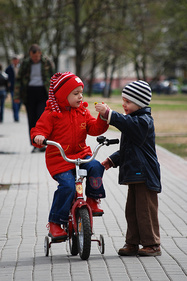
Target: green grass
{"points": [[177, 97], [168, 107], [165, 102], [174, 145]]}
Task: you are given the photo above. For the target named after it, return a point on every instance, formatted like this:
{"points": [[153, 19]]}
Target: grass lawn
{"points": [[175, 144]]}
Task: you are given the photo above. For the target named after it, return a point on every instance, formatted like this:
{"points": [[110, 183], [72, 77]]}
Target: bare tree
{"points": [[104, 33], [144, 33], [85, 17], [27, 22]]}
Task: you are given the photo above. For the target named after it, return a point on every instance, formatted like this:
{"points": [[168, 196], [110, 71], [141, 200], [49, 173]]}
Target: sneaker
{"points": [[43, 149], [150, 251], [56, 232], [128, 250], [36, 149], [94, 205]]}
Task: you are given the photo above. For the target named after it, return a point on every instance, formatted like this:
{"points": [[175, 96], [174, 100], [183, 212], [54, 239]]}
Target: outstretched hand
{"points": [[101, 108]]}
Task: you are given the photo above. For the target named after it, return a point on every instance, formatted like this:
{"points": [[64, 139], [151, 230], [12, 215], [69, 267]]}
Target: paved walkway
{"points": [[26, 192]]}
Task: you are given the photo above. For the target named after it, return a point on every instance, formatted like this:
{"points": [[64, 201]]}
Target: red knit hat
{"points": [[61, 85]]}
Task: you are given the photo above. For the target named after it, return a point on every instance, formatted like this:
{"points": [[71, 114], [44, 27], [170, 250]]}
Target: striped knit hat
{"points": [[61, 85], [138, 92]]}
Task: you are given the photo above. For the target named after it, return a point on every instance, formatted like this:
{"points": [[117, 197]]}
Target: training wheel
{"points": [[46, 246], [101, 244]]}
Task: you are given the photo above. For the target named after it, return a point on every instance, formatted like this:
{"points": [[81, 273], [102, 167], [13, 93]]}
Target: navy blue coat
{"points": [[137, 159]]}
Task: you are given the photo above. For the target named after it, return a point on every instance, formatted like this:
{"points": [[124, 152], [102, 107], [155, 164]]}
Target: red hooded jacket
{"points": [[70, 130]]}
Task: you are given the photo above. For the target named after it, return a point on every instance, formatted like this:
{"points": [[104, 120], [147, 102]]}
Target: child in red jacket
{"points": [[67, 121]]}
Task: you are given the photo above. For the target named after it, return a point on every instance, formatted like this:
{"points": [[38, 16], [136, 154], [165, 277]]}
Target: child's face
{"points": [[75, 97], [129, 106]]}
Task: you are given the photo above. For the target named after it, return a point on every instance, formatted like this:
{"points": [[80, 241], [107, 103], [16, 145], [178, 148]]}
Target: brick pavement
{"points": [[26, 191]]}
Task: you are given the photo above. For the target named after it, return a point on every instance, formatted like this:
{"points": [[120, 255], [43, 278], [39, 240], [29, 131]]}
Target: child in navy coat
{"points": [[138, 168]]}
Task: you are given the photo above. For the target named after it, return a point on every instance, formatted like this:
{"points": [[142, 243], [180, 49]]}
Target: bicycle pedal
{"points": [[97, 214], [58, 239]]}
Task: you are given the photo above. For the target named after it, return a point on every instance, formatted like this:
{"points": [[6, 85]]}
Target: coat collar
{"points": [[143, 110]]}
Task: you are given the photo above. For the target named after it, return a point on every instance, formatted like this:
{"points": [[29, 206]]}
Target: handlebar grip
{"points": [[45, 142], [112, 141], [101, 139]]}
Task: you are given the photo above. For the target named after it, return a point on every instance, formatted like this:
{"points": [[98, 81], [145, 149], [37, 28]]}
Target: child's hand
{"points": [[107, 164], [101, 108], [39, 139]]}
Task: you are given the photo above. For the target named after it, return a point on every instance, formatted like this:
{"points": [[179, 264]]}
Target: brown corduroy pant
{"points": [[142, 216]]}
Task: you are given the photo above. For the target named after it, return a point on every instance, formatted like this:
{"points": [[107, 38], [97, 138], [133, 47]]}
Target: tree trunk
{"points": [[111, 75], [137, 70], [93, 66], [144, 65]]}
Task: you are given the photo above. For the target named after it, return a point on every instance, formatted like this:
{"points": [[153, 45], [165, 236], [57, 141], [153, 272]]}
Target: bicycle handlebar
{"points": [[112, 141], [101, 140]]}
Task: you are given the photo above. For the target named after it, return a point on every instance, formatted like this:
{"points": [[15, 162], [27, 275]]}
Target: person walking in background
{"points": [[32, 85], [12, 71], [3, 91], [138, 168]]}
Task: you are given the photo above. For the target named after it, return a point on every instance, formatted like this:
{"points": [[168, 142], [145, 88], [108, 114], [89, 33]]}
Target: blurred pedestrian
{"points": [[32, 85], [12, 71], [3, 91]]}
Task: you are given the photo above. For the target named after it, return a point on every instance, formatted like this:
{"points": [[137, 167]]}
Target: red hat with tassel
{"points": [[61, 85]]}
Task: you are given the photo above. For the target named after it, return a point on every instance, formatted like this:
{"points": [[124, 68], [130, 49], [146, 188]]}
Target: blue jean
{"points": [[65, 192], [2, 103], [15, 107]]}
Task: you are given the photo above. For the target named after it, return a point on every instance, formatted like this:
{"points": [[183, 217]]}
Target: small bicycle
{"points": [[80, 222]]}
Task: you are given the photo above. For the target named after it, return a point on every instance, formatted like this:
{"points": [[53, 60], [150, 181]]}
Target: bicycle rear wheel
{"points": [[84, 233]]}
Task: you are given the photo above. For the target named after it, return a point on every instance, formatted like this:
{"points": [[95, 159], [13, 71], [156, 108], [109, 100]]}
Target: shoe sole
{"points": [[97, 214], [150, 254], [127, 254], [58, 238]]}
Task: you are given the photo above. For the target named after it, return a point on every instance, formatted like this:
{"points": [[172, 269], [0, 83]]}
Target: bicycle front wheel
{"points": [[73, 245], [84, 233]]}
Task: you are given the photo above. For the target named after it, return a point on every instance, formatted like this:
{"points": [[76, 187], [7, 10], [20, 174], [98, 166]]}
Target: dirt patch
{"points": [[170, 122]]}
